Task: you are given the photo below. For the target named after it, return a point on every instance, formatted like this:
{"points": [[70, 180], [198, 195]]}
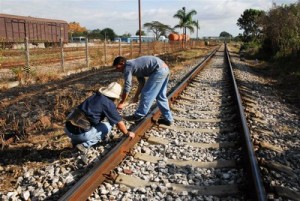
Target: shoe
{"points": [[82, 148], [133, 118], [165, 122]]}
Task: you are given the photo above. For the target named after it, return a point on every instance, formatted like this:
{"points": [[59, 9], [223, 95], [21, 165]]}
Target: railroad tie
{"points": [[163, 141], [219, 190]]}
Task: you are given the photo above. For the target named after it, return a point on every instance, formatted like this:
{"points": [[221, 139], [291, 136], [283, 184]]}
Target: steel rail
{"points": [[102, 169], [252, 167]]}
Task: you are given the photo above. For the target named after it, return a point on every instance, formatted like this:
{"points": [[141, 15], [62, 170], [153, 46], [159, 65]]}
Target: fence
{"points": [[83, 55]]}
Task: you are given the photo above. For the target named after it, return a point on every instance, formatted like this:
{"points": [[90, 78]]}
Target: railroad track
{"points": [[274, 127], [207, 153]]}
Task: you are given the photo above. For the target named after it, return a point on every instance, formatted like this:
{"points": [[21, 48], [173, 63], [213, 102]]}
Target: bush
{"points": [[251, 50]]}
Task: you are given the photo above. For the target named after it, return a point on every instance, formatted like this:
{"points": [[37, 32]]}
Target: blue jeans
{"points": [[91, 137], [155, 88]]}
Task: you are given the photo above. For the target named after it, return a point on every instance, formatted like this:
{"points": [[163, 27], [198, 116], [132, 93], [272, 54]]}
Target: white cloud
{"points": [[214, 16]]}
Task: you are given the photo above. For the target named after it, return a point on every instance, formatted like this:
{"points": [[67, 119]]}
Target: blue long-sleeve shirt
{"points": [[140, 67], [97, 107]]}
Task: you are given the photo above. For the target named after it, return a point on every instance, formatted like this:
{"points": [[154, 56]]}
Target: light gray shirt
{"points": [[140, 67]]}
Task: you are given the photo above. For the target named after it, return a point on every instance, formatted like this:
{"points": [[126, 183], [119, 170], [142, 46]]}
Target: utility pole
{"points": [[140, 28]]}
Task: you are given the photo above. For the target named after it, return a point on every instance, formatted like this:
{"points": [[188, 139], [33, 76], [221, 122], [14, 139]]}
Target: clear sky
{"points": [[214, 16]]}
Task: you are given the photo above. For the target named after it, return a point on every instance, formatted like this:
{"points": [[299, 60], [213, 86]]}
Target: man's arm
{"points": [[122, 127], [126, 90], [122, 103]]}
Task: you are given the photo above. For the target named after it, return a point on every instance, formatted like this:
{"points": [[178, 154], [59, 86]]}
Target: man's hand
{"points": [[122, 105], [131, 134]]}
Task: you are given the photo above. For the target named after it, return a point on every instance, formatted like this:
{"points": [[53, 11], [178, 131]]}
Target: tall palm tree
{"points": [[185, 20]]}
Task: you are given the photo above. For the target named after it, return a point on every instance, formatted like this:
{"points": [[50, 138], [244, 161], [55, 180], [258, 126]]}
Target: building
{"points": [[136, 39]]}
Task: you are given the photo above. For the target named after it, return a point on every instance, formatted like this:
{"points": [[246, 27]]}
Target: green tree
{"points": [[108, 33], [281, 27], [225, 34], [137, 33], [158, 28], [186, 20], [249, 22], [95, 34]]}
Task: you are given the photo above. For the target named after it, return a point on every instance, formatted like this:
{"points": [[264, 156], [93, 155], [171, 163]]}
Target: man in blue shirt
{"points": [[85, 125], [155, 87]]}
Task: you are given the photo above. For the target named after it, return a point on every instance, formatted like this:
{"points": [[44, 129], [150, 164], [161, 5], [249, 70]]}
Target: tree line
{"points": [[276, 32], [159, 29]]}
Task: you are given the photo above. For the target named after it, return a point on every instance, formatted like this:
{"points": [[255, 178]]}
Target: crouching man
{"points": [[85, 125]]}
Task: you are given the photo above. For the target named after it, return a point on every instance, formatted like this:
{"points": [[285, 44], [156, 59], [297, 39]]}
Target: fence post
{"points": [[120, 48], [62, 56], [148, 50], [131, 49], [105, 55], [87, 53], [27, 58]]}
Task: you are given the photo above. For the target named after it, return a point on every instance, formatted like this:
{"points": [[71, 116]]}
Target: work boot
{"points": [[165, 122], [134, 118], [82, 148]]}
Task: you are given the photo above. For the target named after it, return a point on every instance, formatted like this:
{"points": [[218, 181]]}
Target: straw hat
{"points": [[113, 90]]}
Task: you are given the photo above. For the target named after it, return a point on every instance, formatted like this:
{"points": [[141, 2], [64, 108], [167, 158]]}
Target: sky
{"points": [[122, 16]]}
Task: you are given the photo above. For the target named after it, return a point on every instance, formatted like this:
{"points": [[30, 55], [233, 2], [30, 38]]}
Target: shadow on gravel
{"points": [[286, 86]]}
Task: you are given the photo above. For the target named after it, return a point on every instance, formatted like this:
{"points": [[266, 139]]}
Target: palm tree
{"points": [[185, 20]]}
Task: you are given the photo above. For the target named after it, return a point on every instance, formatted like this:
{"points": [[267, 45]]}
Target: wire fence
{"points": [[62, 58]]}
